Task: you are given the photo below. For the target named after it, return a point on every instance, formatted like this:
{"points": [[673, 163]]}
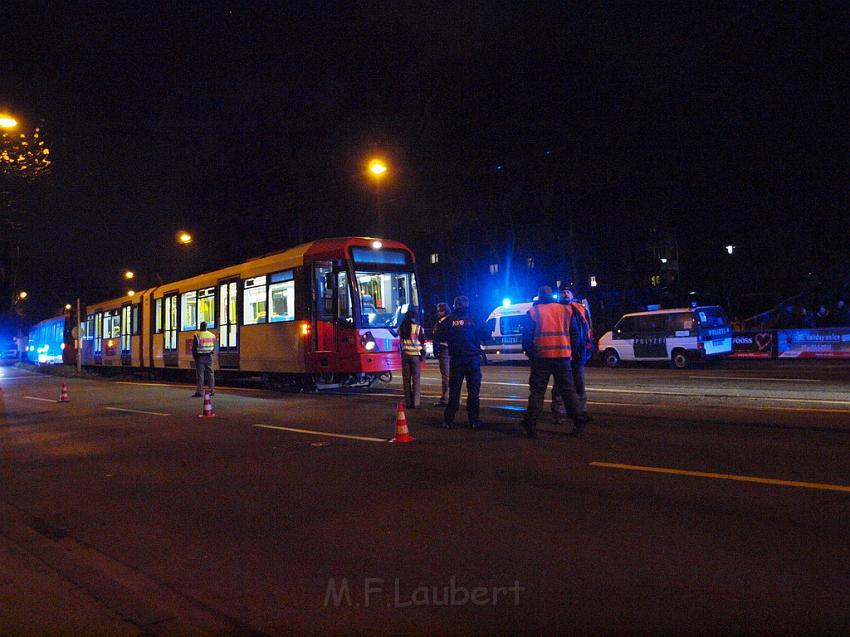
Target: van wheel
{"points": [[679, 359], [611, 358]]}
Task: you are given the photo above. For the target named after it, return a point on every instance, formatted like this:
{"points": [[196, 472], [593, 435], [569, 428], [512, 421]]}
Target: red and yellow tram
{"points": [[319, 313]]}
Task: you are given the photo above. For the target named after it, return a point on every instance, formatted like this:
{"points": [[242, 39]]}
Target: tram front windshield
{"points": [[385, 297]]}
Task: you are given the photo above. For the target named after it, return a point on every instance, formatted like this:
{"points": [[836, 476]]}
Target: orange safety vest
{"points": [[582, 312], [551, 330]]}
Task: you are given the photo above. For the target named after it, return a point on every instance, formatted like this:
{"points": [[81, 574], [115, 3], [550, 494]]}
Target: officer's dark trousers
{"points": [[558, 410], [204, 371], [541, 370], [460, 369]]}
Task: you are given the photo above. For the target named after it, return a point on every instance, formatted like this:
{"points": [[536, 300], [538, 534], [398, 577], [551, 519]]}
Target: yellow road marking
{"points": [[322, 433], [724, 476]]}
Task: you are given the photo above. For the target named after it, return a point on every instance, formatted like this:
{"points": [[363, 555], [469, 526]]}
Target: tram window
{"points": [[190, 311], [170, 323], [324, 290], [254, 304], [344, 295], [386, 296], [206, 307], [137, 325], [158, 316], [282, 297]]}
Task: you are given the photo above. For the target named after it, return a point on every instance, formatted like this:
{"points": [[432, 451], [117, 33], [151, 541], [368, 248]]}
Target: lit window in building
{"points": [[655, 280], [530, 263], [435, 258], [494, 268]]}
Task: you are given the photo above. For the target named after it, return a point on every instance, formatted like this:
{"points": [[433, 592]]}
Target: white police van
{"points": [[677, 335], [505, 327]]}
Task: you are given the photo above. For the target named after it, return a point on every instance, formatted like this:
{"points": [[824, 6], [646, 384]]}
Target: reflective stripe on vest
{"points": [[551, 330], [206, 342], [411, 346]]}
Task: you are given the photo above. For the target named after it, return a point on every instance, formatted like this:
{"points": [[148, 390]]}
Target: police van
{"points": [[677, 335], [505, 327]]}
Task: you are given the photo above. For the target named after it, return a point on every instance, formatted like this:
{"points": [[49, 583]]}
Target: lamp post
{"points": [[377, 171]]}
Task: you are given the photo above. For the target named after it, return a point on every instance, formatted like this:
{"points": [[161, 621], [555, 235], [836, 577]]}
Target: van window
{"points": [[713, 317], [625, 326], [491, 325], [511, 324], [651, 323], [680, 322]]}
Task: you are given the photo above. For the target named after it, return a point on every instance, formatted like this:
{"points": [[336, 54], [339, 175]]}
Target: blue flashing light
{"points": [[506, 302], [557, 297]]}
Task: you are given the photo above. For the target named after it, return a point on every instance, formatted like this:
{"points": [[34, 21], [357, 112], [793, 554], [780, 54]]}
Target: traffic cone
{"points": [[208, 412], [63, 394], [401, 432]]}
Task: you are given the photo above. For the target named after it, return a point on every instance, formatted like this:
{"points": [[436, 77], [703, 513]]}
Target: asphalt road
{"points": [[710, 501]]}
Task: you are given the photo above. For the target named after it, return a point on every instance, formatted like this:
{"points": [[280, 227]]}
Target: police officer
{"points": [[203, 345], [441, 352], [581, 342], [463, 334], [547, 344]]}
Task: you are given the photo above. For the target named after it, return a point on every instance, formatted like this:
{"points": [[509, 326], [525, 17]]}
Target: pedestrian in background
{"points": [[412, 355], [581, 343], [203, 346], [463, 334], [547, 344], [441, 353]]}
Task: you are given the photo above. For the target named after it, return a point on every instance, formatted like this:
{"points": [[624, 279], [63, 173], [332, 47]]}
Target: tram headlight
{"points": [[368, 342]]}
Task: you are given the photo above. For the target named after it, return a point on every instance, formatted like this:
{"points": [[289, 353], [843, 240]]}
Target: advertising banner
{"points": [[753, 344], [824, 342]]}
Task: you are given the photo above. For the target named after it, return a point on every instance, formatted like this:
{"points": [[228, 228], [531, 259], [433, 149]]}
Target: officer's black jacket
{"points": [[463, 334]]}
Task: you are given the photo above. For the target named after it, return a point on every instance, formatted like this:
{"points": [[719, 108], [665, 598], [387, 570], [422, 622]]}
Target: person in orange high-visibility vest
{"points": [[581, 340], [203, 346], [547, 343]]}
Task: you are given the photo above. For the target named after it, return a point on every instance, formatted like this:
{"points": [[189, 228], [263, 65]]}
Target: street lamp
{"points": [[183, 237], [8, 122], [22, 295], [129, 274], [67, 307], [377, 170], [730, 249]]}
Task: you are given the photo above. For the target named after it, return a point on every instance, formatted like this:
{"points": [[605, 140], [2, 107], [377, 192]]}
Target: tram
{"points": [[321, 313]]}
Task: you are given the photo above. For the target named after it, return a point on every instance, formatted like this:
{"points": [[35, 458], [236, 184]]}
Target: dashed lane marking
{"points": [[137, 411], [724, 476], [322, 433], [44, 400], [783, 380]]}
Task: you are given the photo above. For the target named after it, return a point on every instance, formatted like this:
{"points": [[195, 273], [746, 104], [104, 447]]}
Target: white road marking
{"points": [[33, 376], [137, 411], [322, 433], [44, 400], [784, 380], [187, 385]]}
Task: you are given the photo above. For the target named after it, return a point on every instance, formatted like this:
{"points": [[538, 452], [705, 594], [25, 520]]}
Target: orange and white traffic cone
{"points": [[401, 432], [208, 412], [63, 394]]}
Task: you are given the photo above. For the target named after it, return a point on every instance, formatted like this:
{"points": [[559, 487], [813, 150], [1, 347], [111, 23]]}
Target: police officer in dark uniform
{"points": [[463, 334]]}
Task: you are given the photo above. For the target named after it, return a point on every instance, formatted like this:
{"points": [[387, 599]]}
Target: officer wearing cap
{"points": [[581, 341], [463, 334]]}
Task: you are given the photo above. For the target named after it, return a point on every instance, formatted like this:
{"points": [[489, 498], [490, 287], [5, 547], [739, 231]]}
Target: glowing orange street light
{"points": [[22, 295], [67, 307], [184, 238], [129, 274], [378, 168], [8, 122]]}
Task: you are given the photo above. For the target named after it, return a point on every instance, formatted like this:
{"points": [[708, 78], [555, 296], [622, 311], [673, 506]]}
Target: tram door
{"points": [[324, 317], [126, 335], [228, 324]]}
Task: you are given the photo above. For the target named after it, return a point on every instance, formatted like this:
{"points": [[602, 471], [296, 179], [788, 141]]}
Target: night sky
{"points": [[240, 121]]}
